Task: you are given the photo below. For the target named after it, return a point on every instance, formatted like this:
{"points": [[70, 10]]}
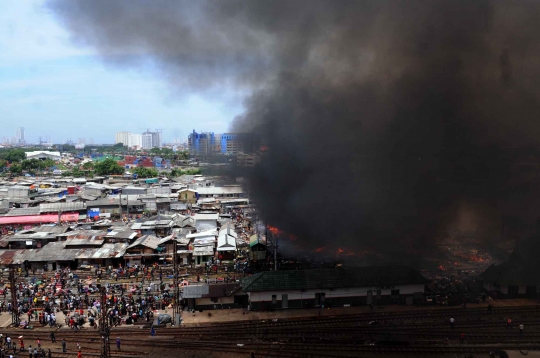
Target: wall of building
{"points": [[337, 297]]}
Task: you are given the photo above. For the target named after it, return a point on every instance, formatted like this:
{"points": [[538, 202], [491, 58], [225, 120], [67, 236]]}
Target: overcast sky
{"points": [[52, 87]]}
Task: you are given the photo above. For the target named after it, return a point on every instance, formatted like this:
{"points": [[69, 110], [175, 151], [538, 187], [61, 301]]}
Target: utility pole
{"points": [[15, 321], [275, 252], [120, 205], [176, 306], [104, 327]]}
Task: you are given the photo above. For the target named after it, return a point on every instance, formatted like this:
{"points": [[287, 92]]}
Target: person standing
{"points": [[118, 343], [452, 322], [509, 323], [152, 331], [521, 326], [64, 345], [8, 341], [53, 338], [462, 338], [79, 354]]}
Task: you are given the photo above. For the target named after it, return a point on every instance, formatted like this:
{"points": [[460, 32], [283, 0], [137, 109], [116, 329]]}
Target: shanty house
{"points": [[335, 287], [142, 250], [226, 244], [206, 221], [106, 255], [204, 244], [257, 246], [188, 196]]}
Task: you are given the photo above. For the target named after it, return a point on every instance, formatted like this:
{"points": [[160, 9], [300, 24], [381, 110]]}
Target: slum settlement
{"points": [[209, 224]]}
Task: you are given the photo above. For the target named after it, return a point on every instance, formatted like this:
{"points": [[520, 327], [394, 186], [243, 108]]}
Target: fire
{"points": [[345, 252], [441, 267], [277, 232], [476, 258], [319, 249], [274, 230]]}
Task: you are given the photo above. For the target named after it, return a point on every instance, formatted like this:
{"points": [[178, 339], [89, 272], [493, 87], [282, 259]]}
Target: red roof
{"points": [[37, 219]]}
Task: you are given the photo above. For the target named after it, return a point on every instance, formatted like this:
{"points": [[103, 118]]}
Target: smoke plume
{"points": [[389, 123]]}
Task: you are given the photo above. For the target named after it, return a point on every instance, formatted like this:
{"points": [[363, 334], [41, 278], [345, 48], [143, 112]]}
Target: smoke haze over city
{"points": [[388, 124]]}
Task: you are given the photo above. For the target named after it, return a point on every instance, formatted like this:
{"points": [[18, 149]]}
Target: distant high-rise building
{"points": [[232, 143], [90, 140], [201, 143], [122, 137], [20, 135], [147, 142], [81, 141], [156, 139], [134, 141]]}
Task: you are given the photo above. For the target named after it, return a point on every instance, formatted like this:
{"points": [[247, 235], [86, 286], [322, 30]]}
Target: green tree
{"points": [[13, 155], [108, 167], [88, 165], [77, 172], [15, 168], [176, 172], [3, 164], [47, 164], [143, 172]]}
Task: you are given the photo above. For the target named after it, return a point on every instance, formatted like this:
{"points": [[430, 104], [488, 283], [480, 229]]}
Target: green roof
{"points": [[102, 158], [329, 278], [256, 239]]}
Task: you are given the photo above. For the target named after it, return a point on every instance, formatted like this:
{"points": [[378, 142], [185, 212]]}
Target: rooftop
{"points": [[330, 278]]}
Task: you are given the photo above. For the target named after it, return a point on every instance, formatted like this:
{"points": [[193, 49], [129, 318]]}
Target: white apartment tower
{"points": [[147, 142], [122, 137]]}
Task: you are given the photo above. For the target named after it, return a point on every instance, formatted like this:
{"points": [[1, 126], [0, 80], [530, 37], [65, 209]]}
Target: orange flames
{"points": [[345, 252], [277, 232], [274, 230]]}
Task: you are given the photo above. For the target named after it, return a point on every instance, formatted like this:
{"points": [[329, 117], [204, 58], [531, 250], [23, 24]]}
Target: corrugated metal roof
{"points": [[122, 234], [209, 233], [106, 251], [85, 240], [32, 235], [6, 257], [221, 190], [56, 207], [212, 216], [147, 241], [53, 251], [54, 229], [328, 278], [23, 211]]}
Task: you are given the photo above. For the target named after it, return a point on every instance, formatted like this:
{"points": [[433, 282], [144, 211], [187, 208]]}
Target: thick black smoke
{"points": [[389, 123]]}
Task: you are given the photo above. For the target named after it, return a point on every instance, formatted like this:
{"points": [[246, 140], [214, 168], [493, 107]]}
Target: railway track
{"points": [[418, 333]]}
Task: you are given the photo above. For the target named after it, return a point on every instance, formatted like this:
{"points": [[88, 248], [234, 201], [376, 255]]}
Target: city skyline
{"points": [[47, 85]]}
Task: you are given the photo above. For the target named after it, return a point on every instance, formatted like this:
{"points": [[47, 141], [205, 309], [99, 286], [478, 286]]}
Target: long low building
{"points": [[327, 287], [43, 154]]}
